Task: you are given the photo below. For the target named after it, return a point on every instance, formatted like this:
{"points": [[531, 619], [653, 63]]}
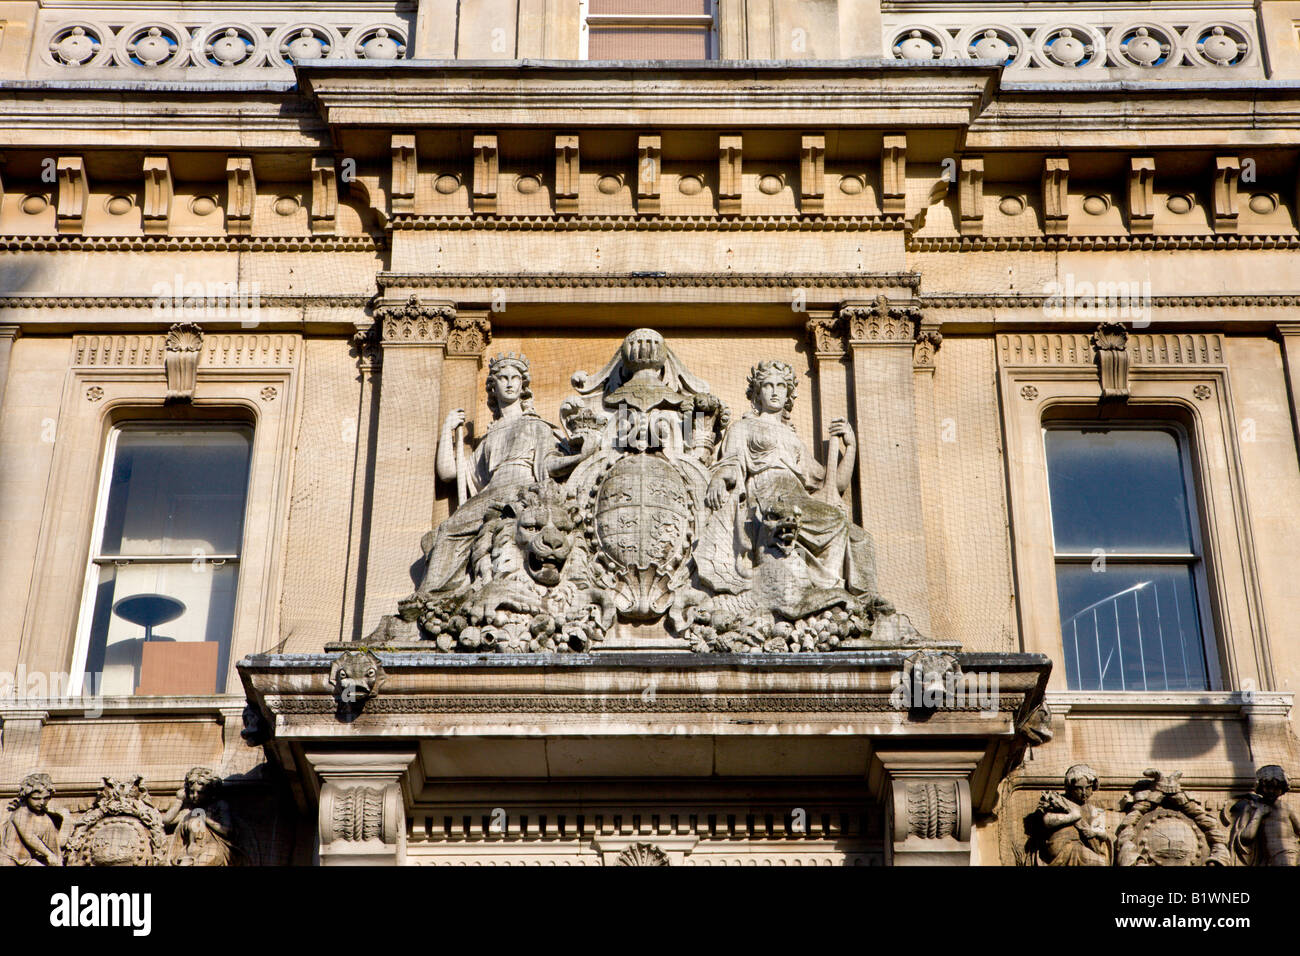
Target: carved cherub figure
{"points": [[30, 836], [203, 829], [1265, 828], [1072, 832]]}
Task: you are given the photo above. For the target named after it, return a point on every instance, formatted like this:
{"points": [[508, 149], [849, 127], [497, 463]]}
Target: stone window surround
{"points": [[95, 401], [1169, 392], [584, 18]]}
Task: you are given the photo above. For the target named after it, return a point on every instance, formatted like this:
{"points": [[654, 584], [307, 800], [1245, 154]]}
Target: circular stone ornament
{"points": [[286, 206], [527, 185], [446, 184], [609, 185], [769, 185], [852, 185], [1179, 204], [1262, 203], [1011, 205], [690, 185], [118, 205], [1095, 205], [34, 204], [203, 205]]}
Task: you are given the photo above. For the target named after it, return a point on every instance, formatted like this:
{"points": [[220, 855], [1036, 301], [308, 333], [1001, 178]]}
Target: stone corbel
{"points": [[20, 731], [812, 175], [566, 174], [362, 810], [1056, 195], [405, 165], [486, 173], [928, 339], [970, 195], [414, 322], [730, 164], [893, 175], [1110, 341], [928, 794], [181, 361], [241, 193], [649, 167], [74, 192], [157, 205], [8, 335], [880, 322], [826, 333], [471, 331], [1227, 174], [324, 196], [1141, 194]]}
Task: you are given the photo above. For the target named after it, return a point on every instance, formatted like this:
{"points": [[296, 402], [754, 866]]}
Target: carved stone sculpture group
{"points": [[650, 504], [122, 827], [1162, 825]]}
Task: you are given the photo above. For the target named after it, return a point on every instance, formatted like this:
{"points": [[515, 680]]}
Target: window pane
{"points": [[1118, 489], [1131, 627], [650, 7], [162, 628], [648, 43], [176, 490]]}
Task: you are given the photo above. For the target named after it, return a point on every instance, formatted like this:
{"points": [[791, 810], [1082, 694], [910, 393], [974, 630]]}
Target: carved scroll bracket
{"points": [[362, 812], [181, 360], [930, 800], [1111, 343]]}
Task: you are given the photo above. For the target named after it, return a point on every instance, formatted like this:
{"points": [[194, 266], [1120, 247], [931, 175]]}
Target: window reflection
{"points": [[165, 566]]}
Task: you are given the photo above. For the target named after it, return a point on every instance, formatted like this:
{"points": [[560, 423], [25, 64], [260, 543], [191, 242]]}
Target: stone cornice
{"points": [[1014, 301], [1096, 243], [617, 280], [415, 93], [192, 244], [651, 223]]}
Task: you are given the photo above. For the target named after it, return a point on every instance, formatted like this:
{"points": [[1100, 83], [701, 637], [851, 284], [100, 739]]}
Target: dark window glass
{"points": [[1127, 562]]}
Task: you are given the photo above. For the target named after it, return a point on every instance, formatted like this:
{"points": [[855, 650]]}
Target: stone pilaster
{"points": [[8, 334], [882, 336], [1289, 332], [403, 477], [362, 807], [826, 333], [929, 815], [20, 740]]}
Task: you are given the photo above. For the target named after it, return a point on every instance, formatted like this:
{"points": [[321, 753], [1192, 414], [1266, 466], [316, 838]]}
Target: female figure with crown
{"points": [[518, 449]]}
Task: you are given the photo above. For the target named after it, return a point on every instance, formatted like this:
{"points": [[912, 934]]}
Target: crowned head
{"points": [[509, 381]]}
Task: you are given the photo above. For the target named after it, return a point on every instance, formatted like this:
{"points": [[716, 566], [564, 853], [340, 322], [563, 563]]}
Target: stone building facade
{"points": [[1018, 592]]}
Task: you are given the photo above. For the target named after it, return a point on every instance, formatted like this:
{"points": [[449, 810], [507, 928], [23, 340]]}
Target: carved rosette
{"points": [[1111, 344], [181, 360], [1164, 826], [121, 828], [881, 322], [414, 322]]}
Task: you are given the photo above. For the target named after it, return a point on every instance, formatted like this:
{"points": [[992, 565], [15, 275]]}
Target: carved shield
{"points": [[643, 513]]}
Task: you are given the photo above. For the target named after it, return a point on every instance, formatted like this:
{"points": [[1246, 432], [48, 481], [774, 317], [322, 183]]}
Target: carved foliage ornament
{"points": [[414, 322], [1111, 344], [642, 854], [181, 360], [881, 322]]}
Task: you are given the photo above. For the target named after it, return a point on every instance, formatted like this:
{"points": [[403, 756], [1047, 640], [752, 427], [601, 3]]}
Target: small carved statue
{"points": [[1066, 829], [774, 476], [518, 450], [1265, 828], [201, 827], [30, 836]]}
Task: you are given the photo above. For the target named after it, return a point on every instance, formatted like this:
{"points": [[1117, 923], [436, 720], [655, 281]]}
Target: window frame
{"points": [[1182, 375], [95, 560], [1059, 418], [668, 19]]}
